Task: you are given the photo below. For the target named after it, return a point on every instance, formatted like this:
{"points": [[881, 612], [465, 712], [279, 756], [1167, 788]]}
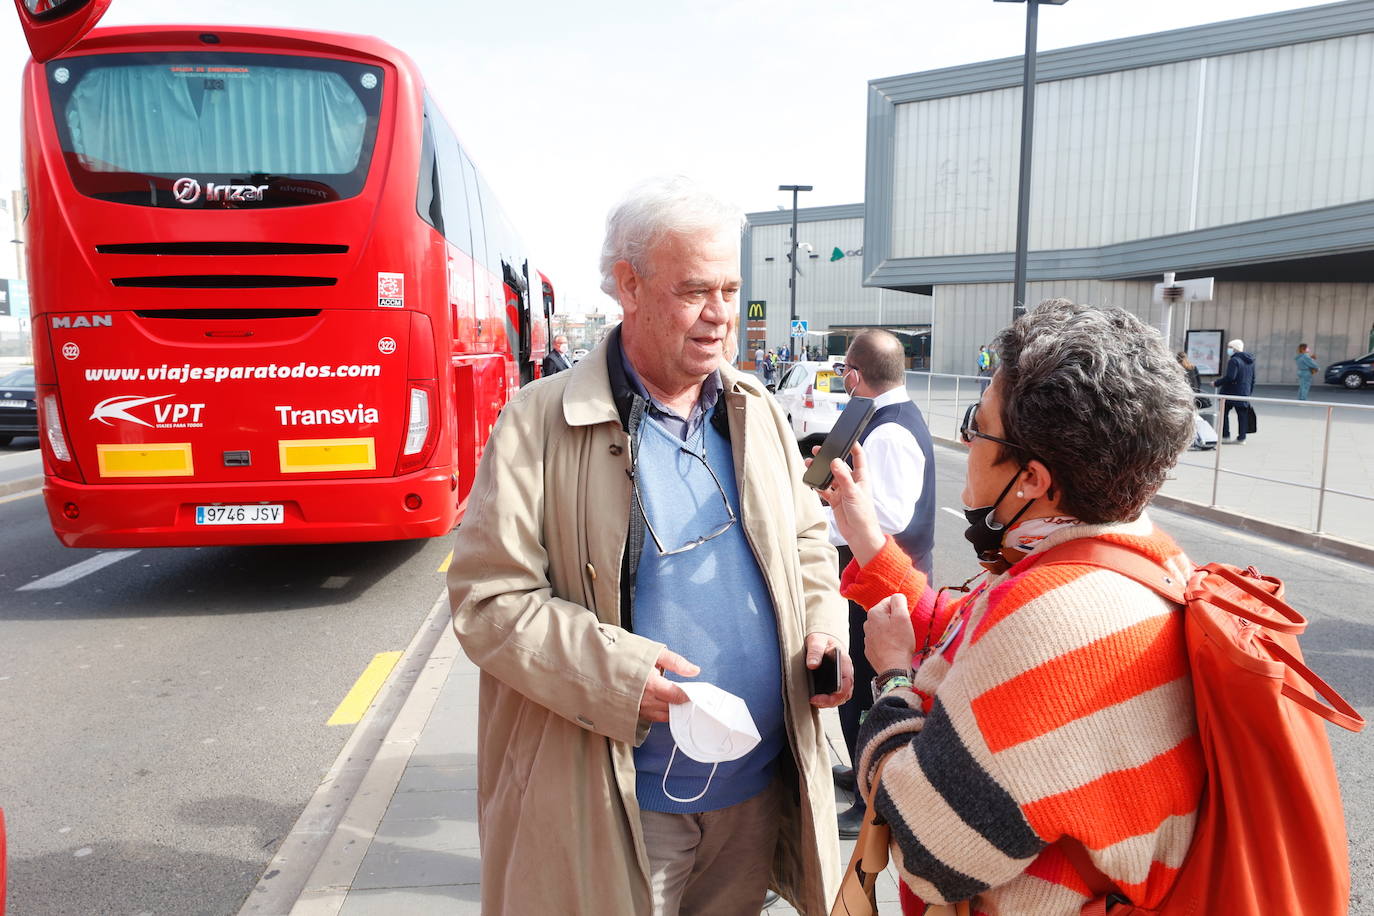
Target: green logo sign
{"points": [[756, 310], [836, 254]]}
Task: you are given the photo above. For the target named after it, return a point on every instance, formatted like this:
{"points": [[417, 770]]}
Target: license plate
{"points": [[14, 403], [257, 514]]}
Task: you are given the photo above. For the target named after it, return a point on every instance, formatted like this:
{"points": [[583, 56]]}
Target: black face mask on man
{"points": [[985, 533]]}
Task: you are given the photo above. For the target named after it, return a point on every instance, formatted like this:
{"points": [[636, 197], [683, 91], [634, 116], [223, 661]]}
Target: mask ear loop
{"points": [[699, 795]]}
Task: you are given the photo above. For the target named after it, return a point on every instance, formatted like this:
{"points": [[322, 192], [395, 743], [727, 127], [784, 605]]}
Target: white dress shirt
{"points": [[893, 461]]}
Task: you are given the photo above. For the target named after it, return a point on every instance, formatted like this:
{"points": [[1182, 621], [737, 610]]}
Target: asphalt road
{"points": [[162, 720]]}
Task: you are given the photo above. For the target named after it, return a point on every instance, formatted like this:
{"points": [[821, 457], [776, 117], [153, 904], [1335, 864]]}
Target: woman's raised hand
{"points": [[850, 497]]}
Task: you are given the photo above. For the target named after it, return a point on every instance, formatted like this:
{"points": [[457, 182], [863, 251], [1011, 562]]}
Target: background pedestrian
{"points": [[1237, 382], [1307, 368], [557, 360], [901, 471]]}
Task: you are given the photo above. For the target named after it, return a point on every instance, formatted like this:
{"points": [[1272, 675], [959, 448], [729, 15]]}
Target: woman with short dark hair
{"points": [[1050, 705]]}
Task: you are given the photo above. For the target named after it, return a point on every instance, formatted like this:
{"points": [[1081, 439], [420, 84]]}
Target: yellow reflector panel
{"points": [[301, 456], [151, 459]]}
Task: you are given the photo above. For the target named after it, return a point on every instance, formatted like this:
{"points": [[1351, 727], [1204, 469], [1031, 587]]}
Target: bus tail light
{"points": [[808, 399], [56, 436], [422, 427]]}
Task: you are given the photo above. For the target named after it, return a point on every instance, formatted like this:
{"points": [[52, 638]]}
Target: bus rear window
{"points": [[216, 130]]}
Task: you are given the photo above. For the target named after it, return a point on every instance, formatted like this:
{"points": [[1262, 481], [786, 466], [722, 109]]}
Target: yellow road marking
{"points": [[351, 710], [443, 567]]}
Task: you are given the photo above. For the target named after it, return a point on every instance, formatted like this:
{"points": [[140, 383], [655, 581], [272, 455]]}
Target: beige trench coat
{"points": [[535, 590]]}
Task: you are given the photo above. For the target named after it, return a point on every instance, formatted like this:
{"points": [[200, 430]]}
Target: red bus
{"points": [[273, 301]]}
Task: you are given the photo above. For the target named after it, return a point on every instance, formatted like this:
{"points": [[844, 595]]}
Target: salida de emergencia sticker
{"points": [[391, 290]]}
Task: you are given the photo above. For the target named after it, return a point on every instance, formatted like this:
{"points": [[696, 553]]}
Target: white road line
{"points": [[76, 571], [954, 512]]}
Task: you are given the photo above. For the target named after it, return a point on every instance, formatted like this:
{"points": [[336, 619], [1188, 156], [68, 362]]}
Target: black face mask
{"points": [[985, 533]]}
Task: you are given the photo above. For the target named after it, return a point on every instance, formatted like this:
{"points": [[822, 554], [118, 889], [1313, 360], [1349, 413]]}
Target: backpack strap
{"points": [[857, 895], [1343, 714], [1268, 611], [1118, 559], [1107, 897]]}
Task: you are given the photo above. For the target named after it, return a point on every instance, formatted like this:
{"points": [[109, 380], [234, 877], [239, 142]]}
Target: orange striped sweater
{"points": [[1057, 703]]}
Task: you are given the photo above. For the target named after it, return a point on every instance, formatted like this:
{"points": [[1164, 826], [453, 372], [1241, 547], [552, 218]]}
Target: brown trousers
{"points": [[715, 863]]}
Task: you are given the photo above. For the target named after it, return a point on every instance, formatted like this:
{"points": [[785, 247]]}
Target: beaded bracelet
{"points": [[893, 683]]}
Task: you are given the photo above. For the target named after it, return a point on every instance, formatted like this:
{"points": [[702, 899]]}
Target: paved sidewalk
{"points": [[20, 470], [420, 854]]}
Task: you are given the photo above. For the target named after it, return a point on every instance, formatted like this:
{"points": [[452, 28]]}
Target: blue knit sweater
{"points": [[711, 606]]}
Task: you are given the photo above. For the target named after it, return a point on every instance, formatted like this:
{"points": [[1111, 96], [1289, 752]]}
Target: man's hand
{"points": [[889, 637], [817, 644], [659, 692]]}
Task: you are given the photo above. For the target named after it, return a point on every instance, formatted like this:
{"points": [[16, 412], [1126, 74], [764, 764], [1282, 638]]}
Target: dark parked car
{"points": [[18, 409], [1352, 373]]}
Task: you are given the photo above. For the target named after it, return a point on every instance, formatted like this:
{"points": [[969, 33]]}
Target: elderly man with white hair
{"points": [[637, 535]]}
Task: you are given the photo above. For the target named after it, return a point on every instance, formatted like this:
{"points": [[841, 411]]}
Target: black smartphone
{"points": [[851, 424], [825, 677]]}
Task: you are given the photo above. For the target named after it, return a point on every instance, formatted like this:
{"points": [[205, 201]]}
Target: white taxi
{"points": [[812, 395]]}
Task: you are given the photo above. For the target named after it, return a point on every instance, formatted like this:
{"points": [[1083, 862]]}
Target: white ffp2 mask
{"points": [[713, 726]]}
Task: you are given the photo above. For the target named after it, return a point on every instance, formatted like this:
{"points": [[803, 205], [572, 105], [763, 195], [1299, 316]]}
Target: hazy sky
{"points": [[565, 105]]}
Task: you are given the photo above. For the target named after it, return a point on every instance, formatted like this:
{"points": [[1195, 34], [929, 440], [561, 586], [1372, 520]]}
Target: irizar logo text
{"points": [[187, 191], [291, 416], [165, 416]]}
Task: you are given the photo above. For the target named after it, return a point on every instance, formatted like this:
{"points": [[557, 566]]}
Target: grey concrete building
{"points": [[831, 295], [1241, 150]]}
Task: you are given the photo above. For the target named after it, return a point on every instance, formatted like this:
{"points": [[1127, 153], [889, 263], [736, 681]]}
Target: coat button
{"points": [[591, 571], [617, 449]]}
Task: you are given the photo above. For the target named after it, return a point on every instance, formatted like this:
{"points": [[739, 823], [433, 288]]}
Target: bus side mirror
{"points": [[53, 26]]}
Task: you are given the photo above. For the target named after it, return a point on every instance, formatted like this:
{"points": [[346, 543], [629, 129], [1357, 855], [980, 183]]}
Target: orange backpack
{"points": [[1270, 835]]}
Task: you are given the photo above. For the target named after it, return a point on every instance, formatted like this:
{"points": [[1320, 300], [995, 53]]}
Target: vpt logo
{"points": [[164, 415], [186, 190]]}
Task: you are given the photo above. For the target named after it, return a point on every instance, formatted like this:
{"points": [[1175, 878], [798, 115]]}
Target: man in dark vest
{"points": [[557, 360], [900, 463]]}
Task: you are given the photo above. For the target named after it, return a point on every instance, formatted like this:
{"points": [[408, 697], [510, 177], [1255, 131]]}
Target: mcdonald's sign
{"points": [[757, 310]]}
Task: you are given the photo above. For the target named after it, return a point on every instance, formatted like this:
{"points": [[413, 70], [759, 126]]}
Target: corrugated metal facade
{"points": [[829, 292], [1241, 148], [1272, 318], [1139, 153]]}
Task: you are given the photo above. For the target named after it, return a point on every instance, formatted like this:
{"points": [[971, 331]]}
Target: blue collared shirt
{"points": [[680, 426]]}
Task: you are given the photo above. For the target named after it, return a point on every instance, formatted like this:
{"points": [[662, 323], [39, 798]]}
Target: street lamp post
{"points": [[792, 280], [1018, 307]]}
